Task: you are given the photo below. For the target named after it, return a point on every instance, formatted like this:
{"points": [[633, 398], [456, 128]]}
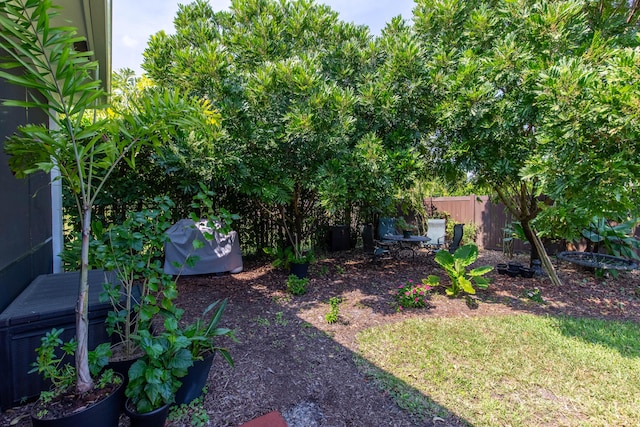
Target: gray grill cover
{"points": [[219, 255]]}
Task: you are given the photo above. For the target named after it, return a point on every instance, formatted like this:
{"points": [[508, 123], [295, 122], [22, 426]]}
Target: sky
{"points": [[134, 21]]}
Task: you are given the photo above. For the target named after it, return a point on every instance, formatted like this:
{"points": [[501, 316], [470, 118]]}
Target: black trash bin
{"points": [[48, 302], [339, 238]]}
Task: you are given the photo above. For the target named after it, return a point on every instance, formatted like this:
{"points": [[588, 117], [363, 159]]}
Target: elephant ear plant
{"points": [[455, 266], [79, 148]]}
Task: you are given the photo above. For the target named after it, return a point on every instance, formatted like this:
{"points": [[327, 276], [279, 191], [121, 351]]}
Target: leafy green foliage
{"points": [[589, 137], [456, 268], [534, 295], [334, 310], [536, 100], [514, 231], [193, 414], [154, 378], [203, 209], [285, 76], [190, 152], [134, 250], [282, 258], [403, 225], [52, 363], [618, 239], [86, 152], [297, 285], [204, 336]]}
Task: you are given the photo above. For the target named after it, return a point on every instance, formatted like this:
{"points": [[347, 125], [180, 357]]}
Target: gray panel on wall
{"points": [[25, 209]]}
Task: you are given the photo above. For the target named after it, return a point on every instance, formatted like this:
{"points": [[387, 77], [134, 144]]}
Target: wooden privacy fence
{"points": [[490, 218]]}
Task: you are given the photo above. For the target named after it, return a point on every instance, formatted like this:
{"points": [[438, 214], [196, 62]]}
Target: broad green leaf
{"points": [[444, 258], [480, 270], [466, 285]]}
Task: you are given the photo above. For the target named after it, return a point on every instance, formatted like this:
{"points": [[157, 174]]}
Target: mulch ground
{"points": [[289, 359]]}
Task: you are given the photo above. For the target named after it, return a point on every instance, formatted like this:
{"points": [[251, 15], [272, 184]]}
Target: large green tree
{"points": [[488, 61], [393, 114], [589, 142], [285, 77]]}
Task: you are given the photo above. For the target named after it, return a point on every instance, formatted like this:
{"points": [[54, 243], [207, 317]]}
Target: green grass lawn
{"points": [[520, 370]]}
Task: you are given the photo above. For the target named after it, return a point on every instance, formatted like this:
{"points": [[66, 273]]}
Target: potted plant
{"points": [[405, 227], [155, 377], [83, 152], [84, 145], [299, 260], [294, 258], [203, 337], [60, 405], [133, 250]]}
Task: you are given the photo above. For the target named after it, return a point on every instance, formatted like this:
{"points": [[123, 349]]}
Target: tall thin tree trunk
{"points": [[84, 382], [529, 234], [545, 260]]}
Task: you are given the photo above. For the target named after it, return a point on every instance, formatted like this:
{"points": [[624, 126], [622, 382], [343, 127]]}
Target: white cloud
{"points": [[129, 41]]}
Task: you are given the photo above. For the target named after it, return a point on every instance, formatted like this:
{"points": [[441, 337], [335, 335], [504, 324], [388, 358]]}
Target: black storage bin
{"points": [[48, 302], [340, 239]]}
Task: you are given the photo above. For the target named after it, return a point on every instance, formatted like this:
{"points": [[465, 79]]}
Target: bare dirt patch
{"points": [[290, 359]]}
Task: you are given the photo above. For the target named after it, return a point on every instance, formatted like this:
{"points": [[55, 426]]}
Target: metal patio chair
{"points": [[436, 232]]}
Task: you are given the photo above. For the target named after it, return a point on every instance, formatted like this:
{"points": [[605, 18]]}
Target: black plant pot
{"points": [[194, 381], [105, 413], [300, 270], [502, 268], [122, 367], [406, 234], [514, 266], [513, 272], [155, 418], [527, 272]]}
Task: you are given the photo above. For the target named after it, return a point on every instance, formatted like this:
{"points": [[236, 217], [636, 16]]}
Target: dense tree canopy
{"points": [[514, 94], [494, 68], [286, 78], [590, 139]]}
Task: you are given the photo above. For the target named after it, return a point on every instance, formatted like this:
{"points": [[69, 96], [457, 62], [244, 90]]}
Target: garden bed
{"points": [[291, 360]]}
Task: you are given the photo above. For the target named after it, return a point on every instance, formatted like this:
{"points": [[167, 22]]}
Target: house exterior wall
{"points": [[25, 209], [26, 248]]}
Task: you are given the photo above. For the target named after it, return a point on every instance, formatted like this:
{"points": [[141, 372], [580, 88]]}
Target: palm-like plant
{"points": [[83, 149]]}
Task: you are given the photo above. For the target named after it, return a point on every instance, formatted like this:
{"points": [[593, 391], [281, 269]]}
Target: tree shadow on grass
{"points": [[289, 357], [622, 337]]}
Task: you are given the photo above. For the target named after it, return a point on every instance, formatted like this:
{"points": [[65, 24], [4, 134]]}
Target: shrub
{"points": [[296, 285], [412, 295], [334, 312]]}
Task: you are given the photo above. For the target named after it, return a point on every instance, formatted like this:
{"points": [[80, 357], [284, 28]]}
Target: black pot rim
{"points": [[120, 389], [135, 413]]}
